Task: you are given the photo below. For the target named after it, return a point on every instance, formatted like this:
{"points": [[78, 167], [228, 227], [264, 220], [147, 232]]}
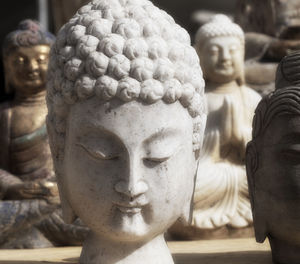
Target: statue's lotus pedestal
{"points": [[227, 251]]}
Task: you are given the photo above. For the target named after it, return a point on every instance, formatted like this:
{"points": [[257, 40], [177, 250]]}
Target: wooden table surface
{"points": [[227, 251]]}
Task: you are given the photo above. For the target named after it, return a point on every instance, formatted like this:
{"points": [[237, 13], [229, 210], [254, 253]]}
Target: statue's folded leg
{"points": [[17, 219], [60, 233]]}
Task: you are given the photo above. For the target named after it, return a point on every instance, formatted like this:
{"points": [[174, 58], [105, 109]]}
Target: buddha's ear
{"points": [[251, 168], [203, 122], [7, 88], [199, 129], [252, 164], [187, 210], [56, 142], [186, 216], [68, 213]]}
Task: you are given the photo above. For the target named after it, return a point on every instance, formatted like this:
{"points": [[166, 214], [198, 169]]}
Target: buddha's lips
{"points": [[131, 207], [130, 210], [32, 76], [133, 204], [225, 65]]}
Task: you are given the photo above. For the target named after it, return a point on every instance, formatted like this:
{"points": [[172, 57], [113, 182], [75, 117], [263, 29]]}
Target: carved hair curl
{"points": [[29, 33], [220, 25], [124, 49], [284, 101]]}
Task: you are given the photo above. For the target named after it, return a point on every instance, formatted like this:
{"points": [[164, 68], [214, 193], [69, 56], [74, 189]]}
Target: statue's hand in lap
{"points": [[34, 190]]}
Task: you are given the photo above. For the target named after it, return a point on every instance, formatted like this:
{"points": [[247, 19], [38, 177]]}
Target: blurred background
{"points": [[53, 13]]}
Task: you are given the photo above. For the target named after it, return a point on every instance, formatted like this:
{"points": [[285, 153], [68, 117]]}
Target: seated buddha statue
{"points": [[28, 191], [221, 201], [272, 31]]}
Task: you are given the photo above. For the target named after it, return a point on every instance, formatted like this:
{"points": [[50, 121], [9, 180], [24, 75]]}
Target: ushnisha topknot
{"points": [[125, 49], [220, 25], [28, 33], [288, 71]]}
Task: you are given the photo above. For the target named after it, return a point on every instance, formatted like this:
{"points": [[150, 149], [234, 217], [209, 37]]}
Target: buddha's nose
{"points": [[132, 183], [33, 65], [131, 189], [225, 55]]}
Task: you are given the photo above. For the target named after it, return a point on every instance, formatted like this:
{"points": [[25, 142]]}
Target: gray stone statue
{"points": [[273, 159], [126, 121]]}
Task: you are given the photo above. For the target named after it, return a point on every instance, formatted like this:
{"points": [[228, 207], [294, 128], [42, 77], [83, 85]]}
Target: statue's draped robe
{"points": [[221, 194], [29, 223], [4, 135]]}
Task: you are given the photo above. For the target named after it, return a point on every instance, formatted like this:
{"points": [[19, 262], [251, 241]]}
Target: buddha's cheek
{"points": [[171, 186], [278, 199], [90, 188]]}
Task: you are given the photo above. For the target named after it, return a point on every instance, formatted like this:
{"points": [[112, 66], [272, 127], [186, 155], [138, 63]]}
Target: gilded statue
{"points": [[221, 200], [28, 191]]}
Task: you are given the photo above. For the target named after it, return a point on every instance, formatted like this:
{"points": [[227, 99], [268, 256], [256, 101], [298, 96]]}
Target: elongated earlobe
{"points": [[186, 216], [259, 226], [187, 210], [68, 213], [252, 168], [55, 145], [7, 87]]}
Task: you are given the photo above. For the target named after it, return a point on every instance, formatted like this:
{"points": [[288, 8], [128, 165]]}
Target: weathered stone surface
{"points": [[273, 162], [126, 121]]}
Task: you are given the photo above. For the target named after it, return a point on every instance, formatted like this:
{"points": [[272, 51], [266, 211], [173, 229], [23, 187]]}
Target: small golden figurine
{"points": [[27, 186]]}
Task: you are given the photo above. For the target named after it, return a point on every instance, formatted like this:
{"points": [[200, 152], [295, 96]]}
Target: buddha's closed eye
{"points": [[157, 149], [161, 149], [99, 154], [291, 153]]}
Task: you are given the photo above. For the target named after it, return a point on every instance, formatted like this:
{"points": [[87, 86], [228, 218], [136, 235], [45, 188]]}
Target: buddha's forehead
{"points": [[31, 50], [130, 119], [223, 41]]}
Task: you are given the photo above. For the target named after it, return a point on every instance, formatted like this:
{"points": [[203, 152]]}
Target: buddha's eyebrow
{"points": [[91, 127], [20, 53], [162, 133]]}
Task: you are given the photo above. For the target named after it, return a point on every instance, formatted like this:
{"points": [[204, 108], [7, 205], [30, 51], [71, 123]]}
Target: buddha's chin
{"points": [[30, 87], [131, 227], [224, 78]]}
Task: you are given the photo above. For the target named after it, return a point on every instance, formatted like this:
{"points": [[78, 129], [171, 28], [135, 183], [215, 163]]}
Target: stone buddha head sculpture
{"points": [[25, 53], [220, 46], [126, 121], [273, 165]]}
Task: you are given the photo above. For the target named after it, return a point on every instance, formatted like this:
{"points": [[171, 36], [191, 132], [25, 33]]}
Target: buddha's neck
{"points": [[284, 253], [214, 87], [37, 98], [96, 250]]}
